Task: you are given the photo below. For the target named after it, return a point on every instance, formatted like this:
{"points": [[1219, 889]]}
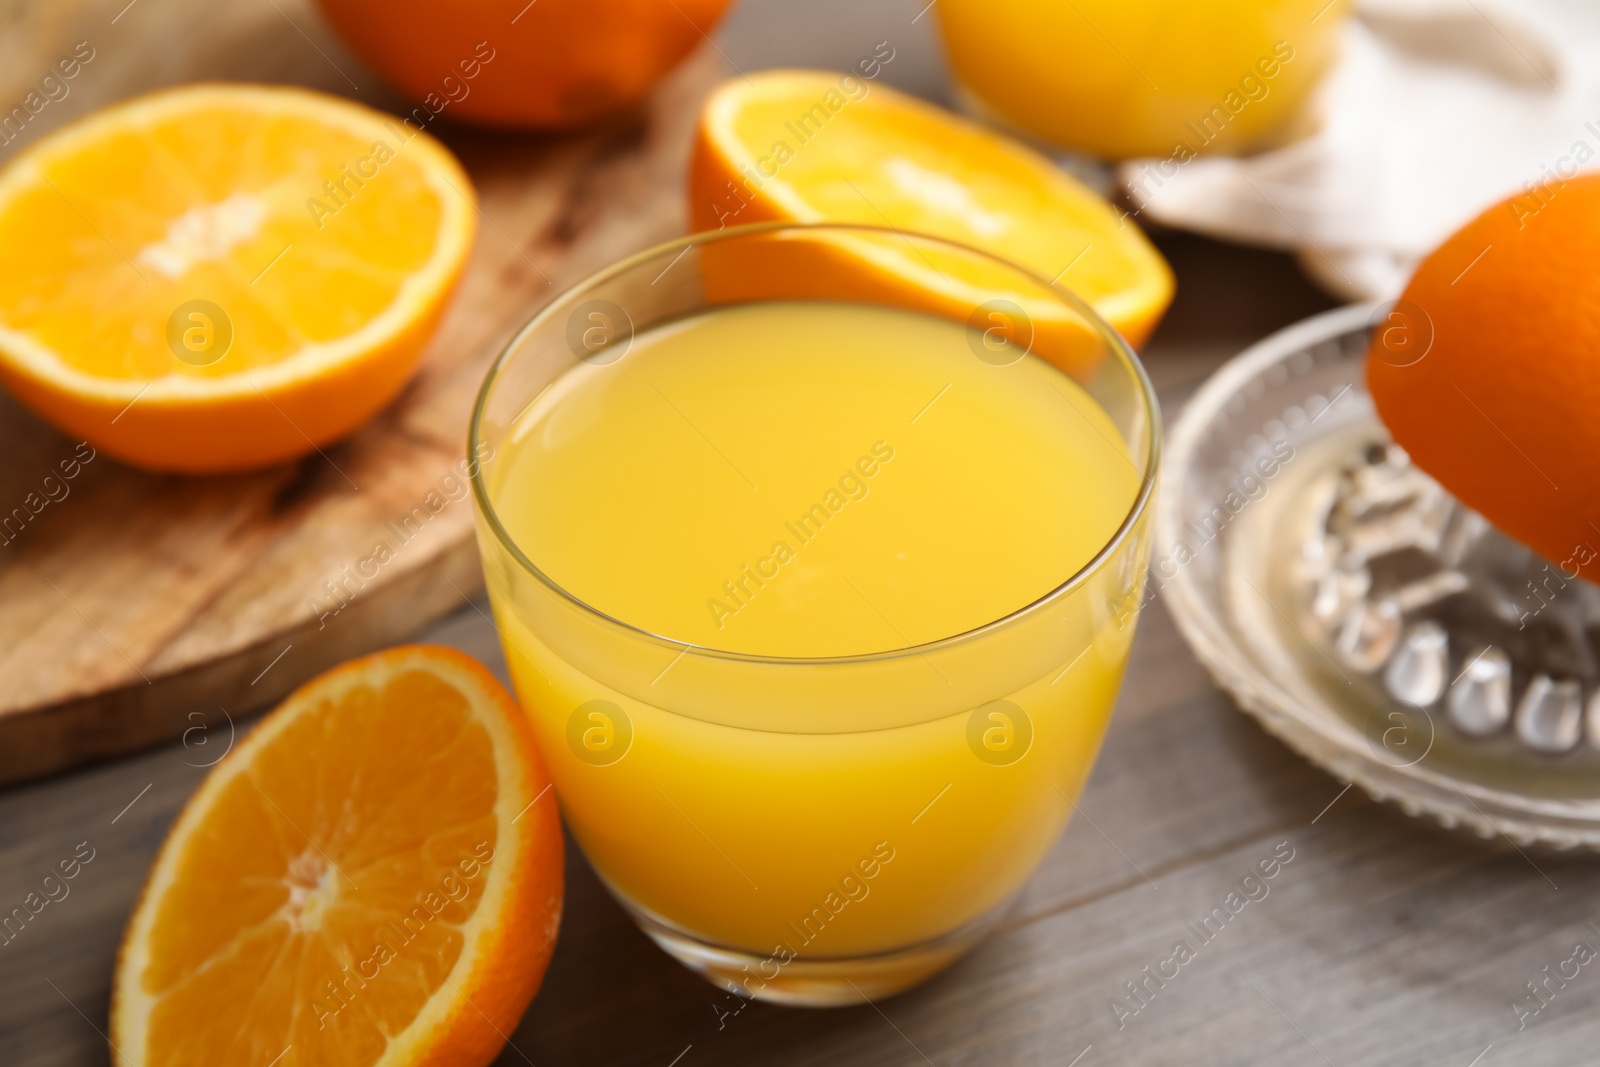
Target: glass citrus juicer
{"points": [[1380, 627]]}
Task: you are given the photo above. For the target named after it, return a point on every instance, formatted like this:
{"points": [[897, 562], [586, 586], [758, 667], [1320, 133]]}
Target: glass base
{"points": [[816, 982]]}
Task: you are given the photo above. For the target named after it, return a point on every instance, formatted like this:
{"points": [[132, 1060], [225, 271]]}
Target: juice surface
{"points": [[812, 479]]}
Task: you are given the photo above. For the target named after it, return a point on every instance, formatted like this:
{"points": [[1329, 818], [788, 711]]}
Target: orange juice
{"points": [[1123, 78], [798, 509]]}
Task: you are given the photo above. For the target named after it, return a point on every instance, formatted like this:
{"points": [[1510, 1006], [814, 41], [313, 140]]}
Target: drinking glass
{"points": [[812, 830]]}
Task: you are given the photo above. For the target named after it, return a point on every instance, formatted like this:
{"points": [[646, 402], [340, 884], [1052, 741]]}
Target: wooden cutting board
{"points": [[136, 606]]}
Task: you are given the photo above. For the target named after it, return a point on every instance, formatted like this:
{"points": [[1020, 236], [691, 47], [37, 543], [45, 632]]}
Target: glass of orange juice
{"points": [[1125, 78], [816, 552]]}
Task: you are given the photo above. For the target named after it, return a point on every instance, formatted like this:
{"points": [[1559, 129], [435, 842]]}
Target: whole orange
{"points": [[542, 64], [1488, 370]]}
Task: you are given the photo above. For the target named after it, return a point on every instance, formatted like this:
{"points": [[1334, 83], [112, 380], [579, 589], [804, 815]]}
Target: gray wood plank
{"points": [[1380, 942], [1378, 924]]}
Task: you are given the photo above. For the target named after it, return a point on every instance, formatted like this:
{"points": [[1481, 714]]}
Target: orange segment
{"points": [[254, 270], [374, 876], [810, 146]]}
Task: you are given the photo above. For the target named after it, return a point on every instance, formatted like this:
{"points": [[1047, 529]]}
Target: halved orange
{"points": [[220, 277], [373, 876], [812, 146], [1486, 371]]}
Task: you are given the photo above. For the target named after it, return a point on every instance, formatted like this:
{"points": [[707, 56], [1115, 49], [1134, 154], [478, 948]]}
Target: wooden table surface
{"points": [[1381, 940]]}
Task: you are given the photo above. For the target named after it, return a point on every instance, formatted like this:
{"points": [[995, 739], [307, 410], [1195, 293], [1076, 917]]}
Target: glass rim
{"points": [[1119, 347]]}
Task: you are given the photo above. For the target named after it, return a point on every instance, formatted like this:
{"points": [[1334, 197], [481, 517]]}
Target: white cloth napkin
{"points": [[1433, 110]]}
